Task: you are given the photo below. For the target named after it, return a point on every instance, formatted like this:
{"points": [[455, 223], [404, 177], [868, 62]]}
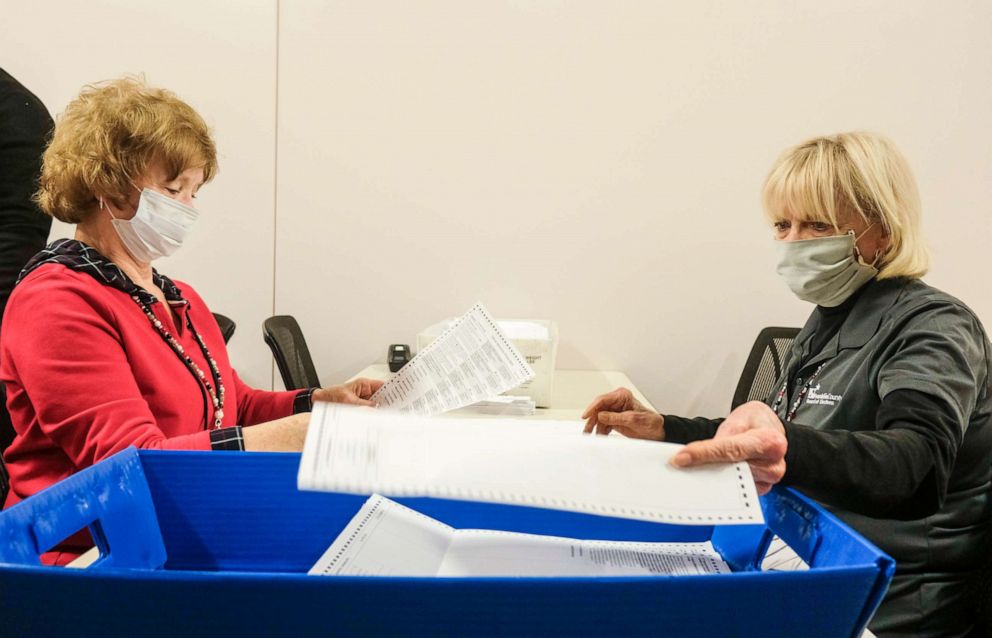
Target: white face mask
{"points": [[824, 270], [158, 227]]}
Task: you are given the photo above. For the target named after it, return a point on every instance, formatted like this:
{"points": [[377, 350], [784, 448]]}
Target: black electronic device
{"points": [[398, 356]]}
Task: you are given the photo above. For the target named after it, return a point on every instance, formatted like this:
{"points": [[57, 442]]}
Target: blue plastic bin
{"points": [[218, 544]]}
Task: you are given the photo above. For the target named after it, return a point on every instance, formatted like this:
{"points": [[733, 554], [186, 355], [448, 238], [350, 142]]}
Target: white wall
{"points": [[599, 164], [595, 163], [223, 62]]}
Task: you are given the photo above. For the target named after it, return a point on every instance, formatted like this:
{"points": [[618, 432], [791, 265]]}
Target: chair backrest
{"points": [[764, 365], [289, 348], [227, 326]]}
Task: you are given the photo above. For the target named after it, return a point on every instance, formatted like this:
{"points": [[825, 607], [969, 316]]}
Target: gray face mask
{"points": [[824, 270]]}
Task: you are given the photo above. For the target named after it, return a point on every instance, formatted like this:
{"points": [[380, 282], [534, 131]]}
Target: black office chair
{"points": [[289, 348], [227, 326], [764, 365]]}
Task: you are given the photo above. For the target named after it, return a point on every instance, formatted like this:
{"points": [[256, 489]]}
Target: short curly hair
{"points": [[107, 137]]}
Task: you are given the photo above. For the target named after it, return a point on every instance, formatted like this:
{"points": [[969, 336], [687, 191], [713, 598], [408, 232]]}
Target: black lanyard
{"points": [[791, 414]]}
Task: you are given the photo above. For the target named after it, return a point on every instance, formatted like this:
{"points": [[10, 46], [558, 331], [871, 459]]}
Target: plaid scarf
{"points": [[76, 255]]}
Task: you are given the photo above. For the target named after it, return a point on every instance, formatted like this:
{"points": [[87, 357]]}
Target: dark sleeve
{"points": [[682, 430], [24, 129], [303, 401], [898, 471], [229, 439]]}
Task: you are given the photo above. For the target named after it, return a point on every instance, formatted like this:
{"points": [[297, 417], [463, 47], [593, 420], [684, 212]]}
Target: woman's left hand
{"points": [[356, 392], [752, 433]]}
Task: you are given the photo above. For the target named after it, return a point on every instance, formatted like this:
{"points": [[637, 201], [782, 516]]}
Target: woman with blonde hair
{"points": [[883, 409], [99, 350]]}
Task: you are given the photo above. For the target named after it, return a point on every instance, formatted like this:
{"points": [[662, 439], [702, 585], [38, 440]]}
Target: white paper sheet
{"points": [[359, 450], [782, 558], [388, 539], [470, 361], [475, 552]]}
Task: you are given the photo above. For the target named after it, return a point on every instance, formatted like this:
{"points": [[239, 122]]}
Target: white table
{"points": [[574, 390]]}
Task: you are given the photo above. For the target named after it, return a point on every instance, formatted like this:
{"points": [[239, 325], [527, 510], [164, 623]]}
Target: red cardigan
{"points": [[87, 376]]}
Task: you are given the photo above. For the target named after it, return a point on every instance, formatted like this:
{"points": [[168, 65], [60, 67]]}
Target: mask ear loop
{"points": [[103, 206], [107, 206], [857, 251]]}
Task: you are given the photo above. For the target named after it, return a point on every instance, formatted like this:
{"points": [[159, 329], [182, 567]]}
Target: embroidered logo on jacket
{"points": [[815, 397]]}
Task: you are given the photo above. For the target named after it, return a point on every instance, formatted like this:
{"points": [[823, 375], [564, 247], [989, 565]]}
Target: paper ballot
{"points": [[388, 539], [779, 557], [471, 360], [360, 450]]}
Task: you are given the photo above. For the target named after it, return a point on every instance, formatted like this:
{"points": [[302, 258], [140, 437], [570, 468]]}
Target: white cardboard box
{"points": [[537, 340]]}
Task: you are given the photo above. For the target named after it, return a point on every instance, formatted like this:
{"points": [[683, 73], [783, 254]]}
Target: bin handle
{"points": [[111, 498]]}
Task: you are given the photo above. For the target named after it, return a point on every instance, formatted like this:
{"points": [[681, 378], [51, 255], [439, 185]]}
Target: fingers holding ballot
{"points": [[356, 392], [752, 433]]}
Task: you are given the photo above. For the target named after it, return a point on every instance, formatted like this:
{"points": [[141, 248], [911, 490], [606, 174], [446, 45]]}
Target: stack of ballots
{"points": [[502, 405]]}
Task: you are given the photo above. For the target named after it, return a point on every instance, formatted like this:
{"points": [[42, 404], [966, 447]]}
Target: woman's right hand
{"points": [[752, 433], [620, 411], [355, 392]]}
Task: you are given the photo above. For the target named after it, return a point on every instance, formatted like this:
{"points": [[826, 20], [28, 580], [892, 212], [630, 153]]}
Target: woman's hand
{"points": [[357, 392], [289, 433], [752, 433], [620, 411]]}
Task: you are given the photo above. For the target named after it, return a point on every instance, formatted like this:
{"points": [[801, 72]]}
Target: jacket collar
{"points": [[866, 316], [76, 255], [860, 325]]}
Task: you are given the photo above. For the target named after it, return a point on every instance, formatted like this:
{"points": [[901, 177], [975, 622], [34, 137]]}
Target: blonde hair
{"points": [[864, 173], [106, 139]]}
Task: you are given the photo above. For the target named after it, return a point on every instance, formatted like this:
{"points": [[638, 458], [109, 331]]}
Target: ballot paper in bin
{"points": [[386, 538]]}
